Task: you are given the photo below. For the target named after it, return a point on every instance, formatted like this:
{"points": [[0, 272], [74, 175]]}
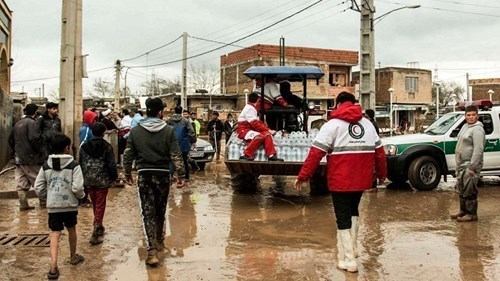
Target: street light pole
{"points": [[437, 84], [491, 92], [390, 90]]}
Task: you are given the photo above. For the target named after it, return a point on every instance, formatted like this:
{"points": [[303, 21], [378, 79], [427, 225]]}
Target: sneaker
{"points": [[244, 157], [152, 258], [100, 231], [457, 215], [274, 158], [467, 218]]}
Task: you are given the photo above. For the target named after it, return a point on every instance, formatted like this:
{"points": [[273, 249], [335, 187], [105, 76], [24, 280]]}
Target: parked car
{"points": [[422, 159], [202, 153]]}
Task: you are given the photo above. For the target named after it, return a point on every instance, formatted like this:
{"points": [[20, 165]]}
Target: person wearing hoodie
{"points": [[89, 118], [29, 155], [153, 144], [352, 144], [99, 173], [60, 183], [185, 136], [469, 160], [49, 125]]}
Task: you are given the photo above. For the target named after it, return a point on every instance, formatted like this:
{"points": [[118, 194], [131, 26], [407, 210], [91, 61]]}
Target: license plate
{"points": [[196, 154]]}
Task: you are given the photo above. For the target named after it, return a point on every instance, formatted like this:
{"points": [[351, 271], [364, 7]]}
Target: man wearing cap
{"points": [[49, 125], [24, 141], [153, 144]]}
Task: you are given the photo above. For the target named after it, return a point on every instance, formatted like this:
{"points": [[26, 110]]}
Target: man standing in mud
{"points": [[24, 141], [352, 144], [469, 160], [49, 125], [152, 144]]}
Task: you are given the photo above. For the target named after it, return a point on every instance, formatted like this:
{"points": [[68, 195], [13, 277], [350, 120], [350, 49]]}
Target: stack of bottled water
{"points": [[293, 147]]}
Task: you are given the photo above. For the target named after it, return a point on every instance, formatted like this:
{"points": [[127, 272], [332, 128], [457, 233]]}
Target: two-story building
{"points": [[336, 64], [6, 108], [411, 96]]}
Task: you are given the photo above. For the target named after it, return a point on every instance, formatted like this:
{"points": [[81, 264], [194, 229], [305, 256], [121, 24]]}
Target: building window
{"points": [[337, 79], [411, 84]]}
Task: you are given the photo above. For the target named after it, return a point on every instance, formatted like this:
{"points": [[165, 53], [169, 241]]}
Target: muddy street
{"points": [[215, 234]]}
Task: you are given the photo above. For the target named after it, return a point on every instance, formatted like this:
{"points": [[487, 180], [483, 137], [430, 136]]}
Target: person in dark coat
{"points": [[215, 128], [99, 173], [49, 125], [29, 155], [228, 126], [185, 136]]}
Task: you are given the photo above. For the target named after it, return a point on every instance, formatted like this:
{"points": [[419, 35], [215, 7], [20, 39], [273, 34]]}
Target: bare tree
{"points": [[102, 87], [448, 91], [157, 85], [204, 77]]}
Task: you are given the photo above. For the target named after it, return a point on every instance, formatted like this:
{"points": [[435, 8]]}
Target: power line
{"points": [[155, 49], [55, 77], [235, 41]]}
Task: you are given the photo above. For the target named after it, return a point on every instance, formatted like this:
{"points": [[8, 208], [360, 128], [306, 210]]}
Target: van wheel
{"points": [[245, 183], [424, 173]]}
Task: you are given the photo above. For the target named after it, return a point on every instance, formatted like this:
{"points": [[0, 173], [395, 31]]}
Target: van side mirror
{"points": [[455, 132]]}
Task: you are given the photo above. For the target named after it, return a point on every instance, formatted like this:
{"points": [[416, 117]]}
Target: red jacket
{"points": [[248, 120], [354, 151]]}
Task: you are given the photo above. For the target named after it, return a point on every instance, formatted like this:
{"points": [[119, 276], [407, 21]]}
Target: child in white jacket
{"points": [[60, 183]]}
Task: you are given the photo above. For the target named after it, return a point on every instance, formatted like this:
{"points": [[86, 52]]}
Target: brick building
{"points": [[480, 88], [411, 97], [336, 64], [6, 106]]}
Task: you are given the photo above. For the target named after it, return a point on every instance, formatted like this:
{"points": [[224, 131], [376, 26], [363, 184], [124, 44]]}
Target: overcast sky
{"points": [[454, 36]]}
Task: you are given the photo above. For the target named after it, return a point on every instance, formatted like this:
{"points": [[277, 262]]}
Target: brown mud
{"points": [[215, 234]]}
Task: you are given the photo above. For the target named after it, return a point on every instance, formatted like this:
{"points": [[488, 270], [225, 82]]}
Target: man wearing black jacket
{"points": [[29, 156], [215, 128], [49, 125], [153, 144]]}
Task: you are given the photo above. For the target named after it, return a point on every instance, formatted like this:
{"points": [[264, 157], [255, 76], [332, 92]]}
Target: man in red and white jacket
{"points": [[354, 150], [254, 131], [271, 94]]}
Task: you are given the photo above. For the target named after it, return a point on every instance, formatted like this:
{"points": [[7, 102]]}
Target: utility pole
{"points": [[70, 84], [117, 85], [469, 95], [367, 53], [282, 51], [184, 70], [43, 90]]}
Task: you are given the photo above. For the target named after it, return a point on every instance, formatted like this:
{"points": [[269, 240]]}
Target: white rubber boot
{"points": [[340, 253], [350, 261], [354, 235]]}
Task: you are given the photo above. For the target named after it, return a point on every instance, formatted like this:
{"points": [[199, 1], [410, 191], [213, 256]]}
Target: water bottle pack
{"points": [[293, 147]]}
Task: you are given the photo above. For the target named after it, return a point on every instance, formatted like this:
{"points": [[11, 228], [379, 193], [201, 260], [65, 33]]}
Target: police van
{"points": [[422, 159]]}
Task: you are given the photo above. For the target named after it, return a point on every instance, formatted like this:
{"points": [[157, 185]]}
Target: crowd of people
{"points": [[158, 148]]}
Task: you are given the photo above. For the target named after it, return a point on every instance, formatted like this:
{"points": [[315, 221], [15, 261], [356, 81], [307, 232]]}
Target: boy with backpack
{"points": [[60, 183], [99, 173]]}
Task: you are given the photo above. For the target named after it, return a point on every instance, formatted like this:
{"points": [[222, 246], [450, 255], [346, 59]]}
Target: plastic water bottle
{"points": [[233, 151]]}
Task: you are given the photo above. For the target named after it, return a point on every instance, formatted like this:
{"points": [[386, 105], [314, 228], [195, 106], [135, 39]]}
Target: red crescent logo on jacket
{"points": [[356, 131]]}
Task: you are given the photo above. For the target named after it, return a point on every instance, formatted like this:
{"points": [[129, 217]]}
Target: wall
{"points": [[480, 88], [236, 63], [395, 78], [6, 106]]}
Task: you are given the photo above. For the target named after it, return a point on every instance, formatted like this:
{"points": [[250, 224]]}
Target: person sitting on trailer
{"points": [[254, 131], [272, 94]]}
